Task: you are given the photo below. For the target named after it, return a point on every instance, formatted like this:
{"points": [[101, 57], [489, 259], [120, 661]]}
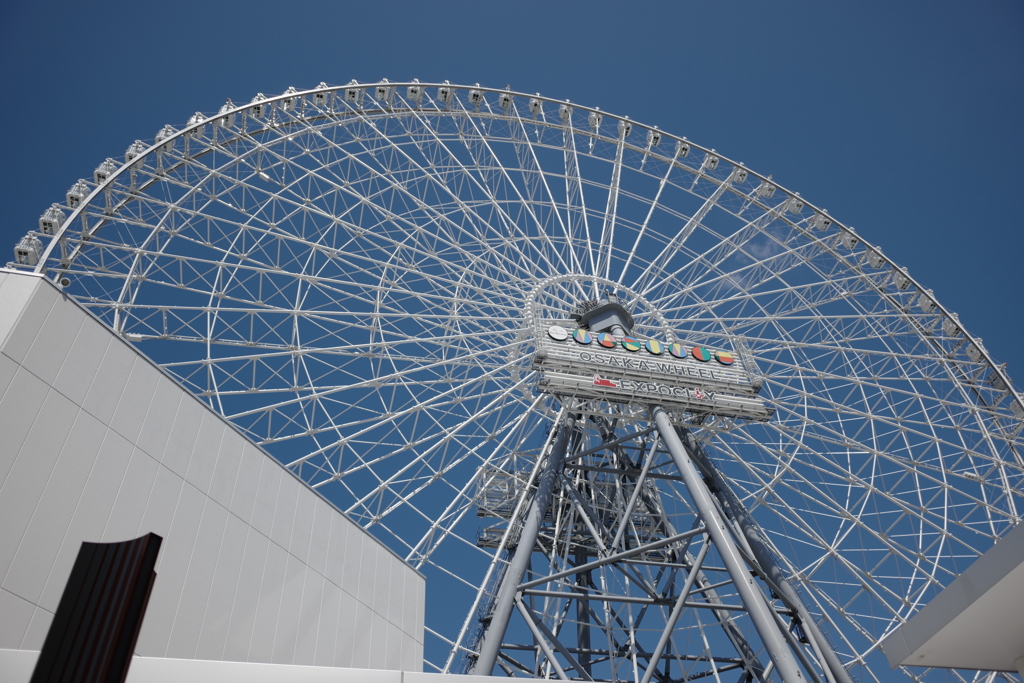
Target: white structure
{"points": [[16, 667], [350, 275], [98, 444], [977, 622]]}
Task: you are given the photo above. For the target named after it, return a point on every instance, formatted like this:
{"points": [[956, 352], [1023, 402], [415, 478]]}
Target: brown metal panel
{"points": [[99, 617]]}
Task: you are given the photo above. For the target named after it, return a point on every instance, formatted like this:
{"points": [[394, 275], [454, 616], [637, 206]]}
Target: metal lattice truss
{"points": [[619, 592], [348, 274]]}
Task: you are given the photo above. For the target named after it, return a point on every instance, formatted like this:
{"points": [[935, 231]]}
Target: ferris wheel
{"points": [[374, 282]]}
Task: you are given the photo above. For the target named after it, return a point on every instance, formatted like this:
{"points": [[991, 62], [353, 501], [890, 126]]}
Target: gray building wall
{"points": [[98, 444]]}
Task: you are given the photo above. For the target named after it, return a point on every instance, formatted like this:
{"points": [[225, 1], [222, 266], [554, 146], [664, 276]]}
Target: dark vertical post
{"points": [[97, 624]]}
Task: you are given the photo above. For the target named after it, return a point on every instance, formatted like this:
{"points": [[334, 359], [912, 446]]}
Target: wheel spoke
{"points": [[349, 282]]}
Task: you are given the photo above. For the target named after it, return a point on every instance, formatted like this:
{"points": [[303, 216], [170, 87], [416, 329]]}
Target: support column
{"points": [[765, 558], [755, 603], [735, 636], [583, 616], [505, 601]]}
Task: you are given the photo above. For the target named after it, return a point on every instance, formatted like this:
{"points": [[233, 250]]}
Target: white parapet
{"points": [[16, 667], [976, 622]]}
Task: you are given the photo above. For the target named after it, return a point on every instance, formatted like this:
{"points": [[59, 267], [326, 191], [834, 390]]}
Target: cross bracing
{"points": [[346, 281]]}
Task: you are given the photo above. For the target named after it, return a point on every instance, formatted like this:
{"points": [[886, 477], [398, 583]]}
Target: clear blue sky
{"points": [[902, 119], [905, 120]]}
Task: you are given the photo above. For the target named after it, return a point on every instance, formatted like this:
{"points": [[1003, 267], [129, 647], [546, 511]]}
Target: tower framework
{"points": [[617, 585], [352, 275]]}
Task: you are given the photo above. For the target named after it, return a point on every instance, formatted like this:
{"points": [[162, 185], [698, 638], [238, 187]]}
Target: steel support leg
{"points": [[765, 558], [735, 636], [583, 616], [755, 603], [505, 601]]}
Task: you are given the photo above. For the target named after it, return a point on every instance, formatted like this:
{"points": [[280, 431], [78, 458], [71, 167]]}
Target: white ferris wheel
{"points": [[368, 281]]}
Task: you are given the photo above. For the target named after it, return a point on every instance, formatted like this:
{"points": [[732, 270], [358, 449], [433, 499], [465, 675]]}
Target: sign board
{"points": [[691, 378]]}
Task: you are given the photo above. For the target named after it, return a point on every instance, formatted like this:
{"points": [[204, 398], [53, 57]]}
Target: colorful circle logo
{"points": [[632, 344], [558, 333]]}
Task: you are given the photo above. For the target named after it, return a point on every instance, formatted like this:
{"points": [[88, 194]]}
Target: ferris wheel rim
{"points": [[45, 258], [292, 93], [536, 285]]}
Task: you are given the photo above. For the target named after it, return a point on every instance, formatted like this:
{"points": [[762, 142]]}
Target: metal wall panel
{"points": [[17, 616], [101, 445], [247, 597], [226, 472], [51, 345], [109, 382], [83, 362], [213, 635], [133, 405], [25, 308], [27, 478], [132, 496], [41, 541], [159, 420], [327, 627]]}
